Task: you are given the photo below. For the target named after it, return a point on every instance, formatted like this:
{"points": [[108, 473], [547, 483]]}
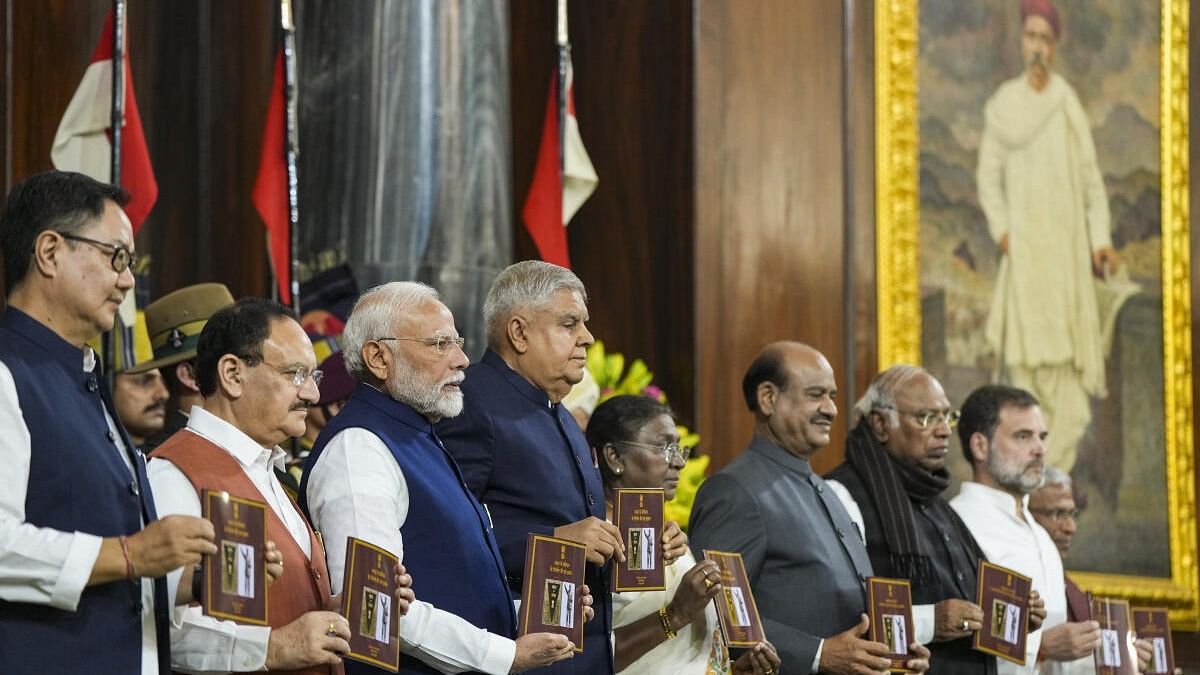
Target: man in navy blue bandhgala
{"points": [[82, 555], [520, 450], [378, 472]]}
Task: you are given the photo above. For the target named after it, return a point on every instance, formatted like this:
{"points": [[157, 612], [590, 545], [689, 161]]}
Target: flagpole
{"points": [[564, 57], [108, 341], [291, 148], [117, 122]]}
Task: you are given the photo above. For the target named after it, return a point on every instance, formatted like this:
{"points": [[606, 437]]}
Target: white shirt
{"points": [[357, 489], [1020, 545], [204, 643], [924, 621], [44, 566]]}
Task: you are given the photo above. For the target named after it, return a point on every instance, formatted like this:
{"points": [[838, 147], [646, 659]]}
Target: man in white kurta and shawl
{"points": [[1043, 195]]}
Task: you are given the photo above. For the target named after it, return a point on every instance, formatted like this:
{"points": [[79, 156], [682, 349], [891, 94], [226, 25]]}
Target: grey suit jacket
{"points": [[806, 562]]}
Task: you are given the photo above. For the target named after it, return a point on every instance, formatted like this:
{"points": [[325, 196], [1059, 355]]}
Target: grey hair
{"points": [[529, 283], [881, 394], [375, 315], [1052, 475]]}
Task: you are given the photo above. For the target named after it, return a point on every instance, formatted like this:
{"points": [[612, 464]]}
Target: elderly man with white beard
{"points": [[380, 461]]}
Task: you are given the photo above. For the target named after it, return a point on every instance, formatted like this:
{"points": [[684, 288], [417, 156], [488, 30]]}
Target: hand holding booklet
{"points": [[554, 572], [234, 579], [369, 604]]}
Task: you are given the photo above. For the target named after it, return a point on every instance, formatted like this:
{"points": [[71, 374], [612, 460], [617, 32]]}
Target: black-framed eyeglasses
{"points": [[122, 258], [932, 418], [441, 343], [669, 451], [1056, 515]]}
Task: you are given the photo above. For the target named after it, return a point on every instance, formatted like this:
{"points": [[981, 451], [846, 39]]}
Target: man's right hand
{"points": [[170, 543], [1070, 641], [316, 638], [950, 617], [601, 538], [537, 650], [849, 653]]}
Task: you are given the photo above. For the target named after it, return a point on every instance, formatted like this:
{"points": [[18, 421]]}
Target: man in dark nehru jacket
{"points": [[520, 450], [807, 564], [892, 484], [82, 552]]}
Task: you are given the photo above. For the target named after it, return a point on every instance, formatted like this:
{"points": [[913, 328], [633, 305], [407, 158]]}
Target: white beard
{"points": [[407, 386]]}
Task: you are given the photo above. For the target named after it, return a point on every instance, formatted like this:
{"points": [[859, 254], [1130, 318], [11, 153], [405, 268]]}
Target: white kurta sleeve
{"points": [[989, 179], [1095, 198], [38, 565], [356, 488]]}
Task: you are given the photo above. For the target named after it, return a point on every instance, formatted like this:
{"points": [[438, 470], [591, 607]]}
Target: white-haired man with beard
{"points": [[1003, 436], [380, 461]]}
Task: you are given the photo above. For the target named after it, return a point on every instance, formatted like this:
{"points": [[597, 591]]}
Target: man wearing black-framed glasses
{"points": [[256, 370], [892, 484], [84, 553]]}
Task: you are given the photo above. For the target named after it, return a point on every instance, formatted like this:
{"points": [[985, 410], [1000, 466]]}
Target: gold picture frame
{"points": [[898, 285]]}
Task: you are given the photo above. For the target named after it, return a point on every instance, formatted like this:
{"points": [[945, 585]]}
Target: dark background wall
{"points": [[632, 242], [733, 142]]}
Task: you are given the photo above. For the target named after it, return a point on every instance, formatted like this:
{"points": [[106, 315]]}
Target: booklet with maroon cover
{"points": [[638, 516], [1115, 655], [235, 577], [736, 609], [554, 570], [1153, 624], [889, 602], [368, 603], [1004, 598]]}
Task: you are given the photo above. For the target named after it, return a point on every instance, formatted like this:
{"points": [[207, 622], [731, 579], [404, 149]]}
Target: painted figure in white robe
{"points": [[1044, 198]]}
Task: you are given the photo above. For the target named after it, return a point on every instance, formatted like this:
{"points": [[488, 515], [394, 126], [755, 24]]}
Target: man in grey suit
{"points": [[807, 562]]}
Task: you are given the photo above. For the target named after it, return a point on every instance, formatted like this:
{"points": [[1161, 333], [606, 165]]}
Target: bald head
{"points": [[791, 390]]}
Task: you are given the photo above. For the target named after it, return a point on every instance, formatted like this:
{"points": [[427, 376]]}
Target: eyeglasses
{"points": [[669, 451], [300, 374], [441, 343], [932, 418], [122, 258], [1056, 515]]}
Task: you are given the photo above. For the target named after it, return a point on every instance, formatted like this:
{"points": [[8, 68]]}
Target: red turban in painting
{"points": [[1044, 9]]}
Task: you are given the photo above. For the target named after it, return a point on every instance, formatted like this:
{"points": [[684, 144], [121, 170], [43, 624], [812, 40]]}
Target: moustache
{"points": [[155, 407], [454, 379], [821, 417], [299, 406]]}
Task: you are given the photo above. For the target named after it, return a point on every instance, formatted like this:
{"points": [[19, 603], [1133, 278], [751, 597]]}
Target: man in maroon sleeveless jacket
{"points": [[257, 372]]}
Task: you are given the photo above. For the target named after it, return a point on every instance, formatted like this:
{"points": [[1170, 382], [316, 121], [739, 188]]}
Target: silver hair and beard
{"points": [[408, 386]]}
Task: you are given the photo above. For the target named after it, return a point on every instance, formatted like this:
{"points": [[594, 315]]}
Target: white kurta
{"points": [[1020, 544], [1039, 185]]}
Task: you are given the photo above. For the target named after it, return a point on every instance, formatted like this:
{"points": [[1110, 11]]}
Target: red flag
{"points": [[83, 141], [556, 193], [271, 187]]}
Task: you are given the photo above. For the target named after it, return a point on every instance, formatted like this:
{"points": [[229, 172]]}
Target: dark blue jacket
{"points": [[77, 482], [448, 545], [529, 463]]}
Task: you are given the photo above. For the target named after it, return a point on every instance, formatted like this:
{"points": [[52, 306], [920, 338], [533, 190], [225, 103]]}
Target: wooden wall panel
{"points": [[202, 73], [631, 243], [769, 203]]}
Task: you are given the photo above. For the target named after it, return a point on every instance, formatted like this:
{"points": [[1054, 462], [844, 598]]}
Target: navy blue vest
{"points": [[77, 482], [448, 545]]}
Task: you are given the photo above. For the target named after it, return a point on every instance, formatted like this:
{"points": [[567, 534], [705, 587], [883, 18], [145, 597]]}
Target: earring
{"points": [[618, 471]]}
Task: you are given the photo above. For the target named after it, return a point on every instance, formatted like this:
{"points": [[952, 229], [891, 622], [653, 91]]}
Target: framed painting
{"points": [[1032, 229]]}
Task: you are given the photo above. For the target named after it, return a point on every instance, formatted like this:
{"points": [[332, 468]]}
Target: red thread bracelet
{"points": [[130, 573]]}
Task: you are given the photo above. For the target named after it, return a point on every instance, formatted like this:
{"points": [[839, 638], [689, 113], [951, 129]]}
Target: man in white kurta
{"points": [[1044, 198], [1003, 436]]}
